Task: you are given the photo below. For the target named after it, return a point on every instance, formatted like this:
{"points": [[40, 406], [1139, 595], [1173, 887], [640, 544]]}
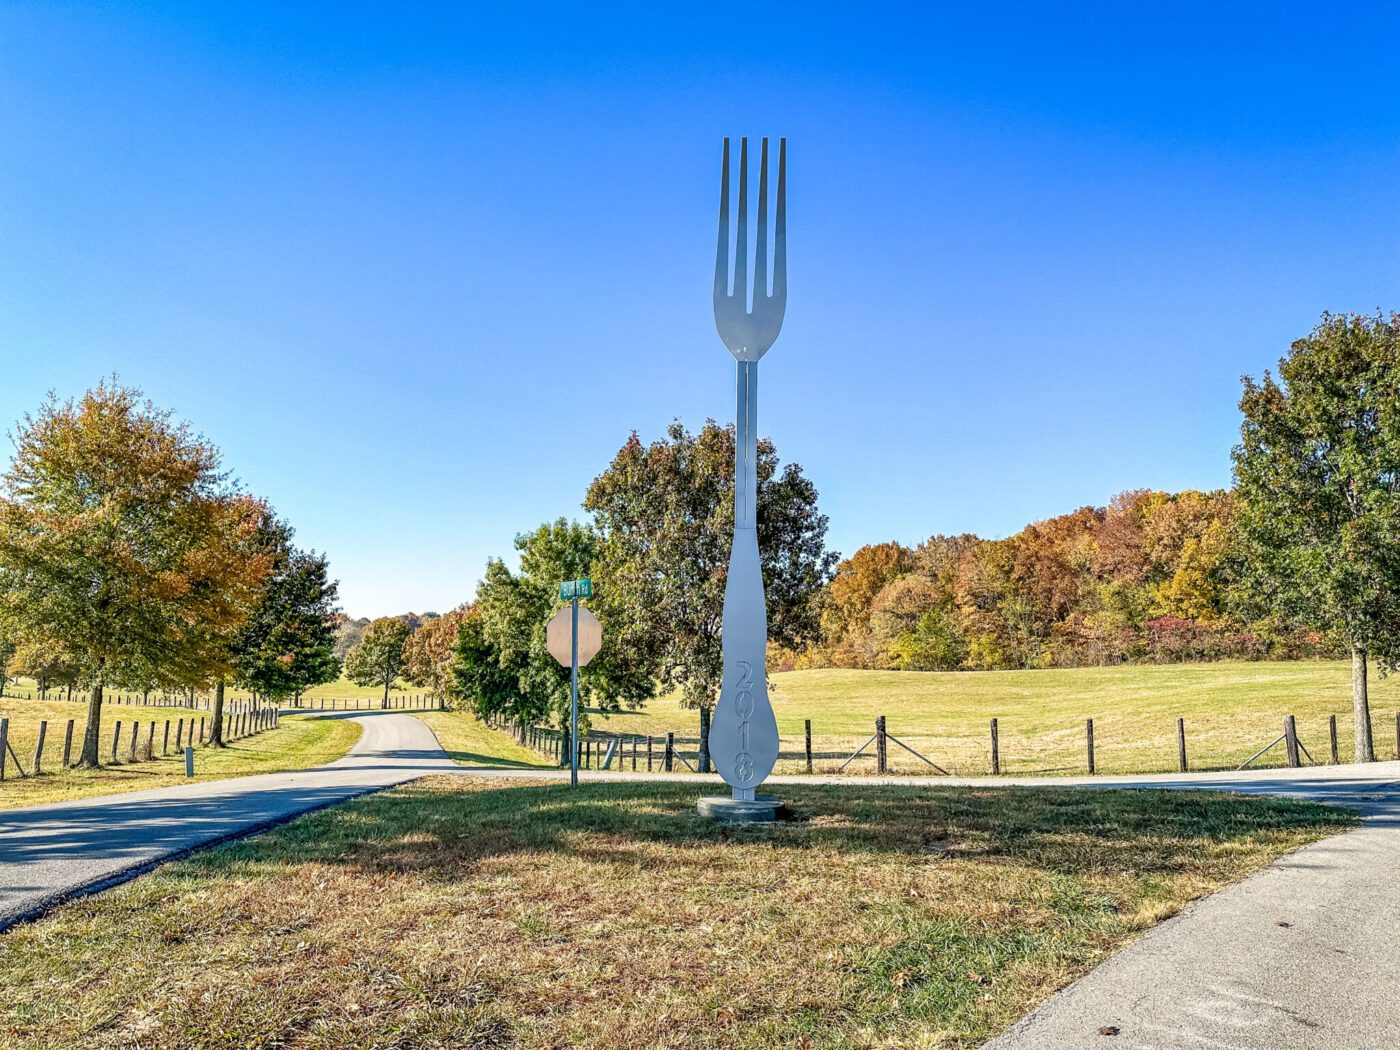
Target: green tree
{"points": [[515, 607], [1318, 474], [665, 515], [288, 644], [122, 544], [479, 681], [378, 657]]}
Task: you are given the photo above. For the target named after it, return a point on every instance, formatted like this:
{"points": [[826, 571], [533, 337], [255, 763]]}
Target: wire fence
{"points": [[1124, 745]]}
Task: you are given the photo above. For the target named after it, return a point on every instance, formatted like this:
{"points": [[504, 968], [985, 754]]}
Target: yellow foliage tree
{"points": [[123, 545]]}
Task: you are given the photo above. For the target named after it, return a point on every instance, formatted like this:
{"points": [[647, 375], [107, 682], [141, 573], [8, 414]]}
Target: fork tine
{"points": [[760, 262], [780, 227], [741, 246], [722, 251]]}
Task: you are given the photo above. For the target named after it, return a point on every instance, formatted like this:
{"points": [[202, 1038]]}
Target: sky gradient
{"points": [[419, 270]]}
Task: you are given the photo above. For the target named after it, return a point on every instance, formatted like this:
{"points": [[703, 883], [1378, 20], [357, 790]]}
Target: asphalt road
{"points": [[52, 852]]}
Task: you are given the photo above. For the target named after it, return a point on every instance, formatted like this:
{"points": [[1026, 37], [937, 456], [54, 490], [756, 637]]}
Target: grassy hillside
{"points": [[1231, 710]]}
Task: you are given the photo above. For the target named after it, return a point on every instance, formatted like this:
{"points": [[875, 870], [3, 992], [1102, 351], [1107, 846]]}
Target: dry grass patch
{"points": [[471, 914]]}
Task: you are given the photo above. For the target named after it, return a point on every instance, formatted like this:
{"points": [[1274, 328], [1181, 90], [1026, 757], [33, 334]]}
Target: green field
{"points": [[1231, 710], [448, 913], [297, 743]]}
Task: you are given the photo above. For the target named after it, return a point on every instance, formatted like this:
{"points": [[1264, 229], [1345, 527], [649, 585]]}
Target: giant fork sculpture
{"points": [[744, 734]]}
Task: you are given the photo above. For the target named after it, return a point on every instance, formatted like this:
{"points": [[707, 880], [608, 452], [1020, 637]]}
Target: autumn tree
{"points": [[665, 518], [1318, 480], [430, 650], [378, 657], [846, 608], [121, 541], [47, 664]]}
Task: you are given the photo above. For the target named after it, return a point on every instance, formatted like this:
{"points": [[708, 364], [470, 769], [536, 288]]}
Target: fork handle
{"points": [[746, 446], [744, 733]]}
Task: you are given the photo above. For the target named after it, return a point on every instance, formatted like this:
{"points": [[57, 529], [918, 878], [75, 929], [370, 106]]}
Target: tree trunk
{"points": [[1361, 706], [384, 704], [216, 716], [94, 728]]}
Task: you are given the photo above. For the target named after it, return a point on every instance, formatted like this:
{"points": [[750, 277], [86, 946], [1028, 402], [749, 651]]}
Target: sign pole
{"points": [[573, 702]]}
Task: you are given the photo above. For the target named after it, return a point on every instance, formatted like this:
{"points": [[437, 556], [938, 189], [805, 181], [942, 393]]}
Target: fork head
{"points": [[748, 333]]}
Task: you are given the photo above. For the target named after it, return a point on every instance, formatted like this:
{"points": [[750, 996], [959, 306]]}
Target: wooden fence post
{"points": [[807, 732], [39, 747], [996, 749], [1181, 744], [670, 752], [1089, 744], [1332, 736], [68, 744], [4, 745], [151, 740], [135, 734], [116, 736], [1290, 740], [648, 754], [165, 740], [1397, 734], [881, 745]]}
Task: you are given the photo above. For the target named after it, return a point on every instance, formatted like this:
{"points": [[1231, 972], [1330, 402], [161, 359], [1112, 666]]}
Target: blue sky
{"points": [[420, 270]]}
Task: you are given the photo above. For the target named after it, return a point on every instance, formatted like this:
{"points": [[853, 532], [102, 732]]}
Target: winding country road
{"points": [[1304, 954]]}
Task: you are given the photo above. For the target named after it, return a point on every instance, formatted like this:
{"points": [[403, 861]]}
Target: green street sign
{"points": [[575, 589]]}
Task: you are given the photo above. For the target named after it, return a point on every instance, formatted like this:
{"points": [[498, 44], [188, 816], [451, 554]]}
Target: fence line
{"points": [[241, 720], [596, 750], [205, 701]]}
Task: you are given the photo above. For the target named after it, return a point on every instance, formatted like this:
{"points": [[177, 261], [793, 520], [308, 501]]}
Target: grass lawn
{"points": [[452, 913], [468, 741], [1231, 710], [297, 743]]}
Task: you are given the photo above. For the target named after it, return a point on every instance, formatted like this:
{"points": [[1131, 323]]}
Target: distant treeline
{"points": [[1148, 578]]}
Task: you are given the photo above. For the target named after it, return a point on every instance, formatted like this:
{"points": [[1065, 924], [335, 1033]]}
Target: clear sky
{"points": [[419, 271]]}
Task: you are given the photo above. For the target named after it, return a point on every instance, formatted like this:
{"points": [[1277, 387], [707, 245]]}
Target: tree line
{"points": [[129, 559]]}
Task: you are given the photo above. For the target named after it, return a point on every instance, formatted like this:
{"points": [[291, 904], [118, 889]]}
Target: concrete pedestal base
{"points": [[765, 809]]}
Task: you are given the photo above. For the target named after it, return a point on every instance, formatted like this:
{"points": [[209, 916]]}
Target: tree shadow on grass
{"points": [[442, 830]]}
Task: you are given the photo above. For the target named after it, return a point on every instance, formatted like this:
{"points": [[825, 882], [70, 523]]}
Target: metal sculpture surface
{"points": [[743, 733]]}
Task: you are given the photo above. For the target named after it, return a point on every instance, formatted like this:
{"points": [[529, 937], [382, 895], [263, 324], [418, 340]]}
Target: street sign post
{"points": [[571, 589], [573, 637]]}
